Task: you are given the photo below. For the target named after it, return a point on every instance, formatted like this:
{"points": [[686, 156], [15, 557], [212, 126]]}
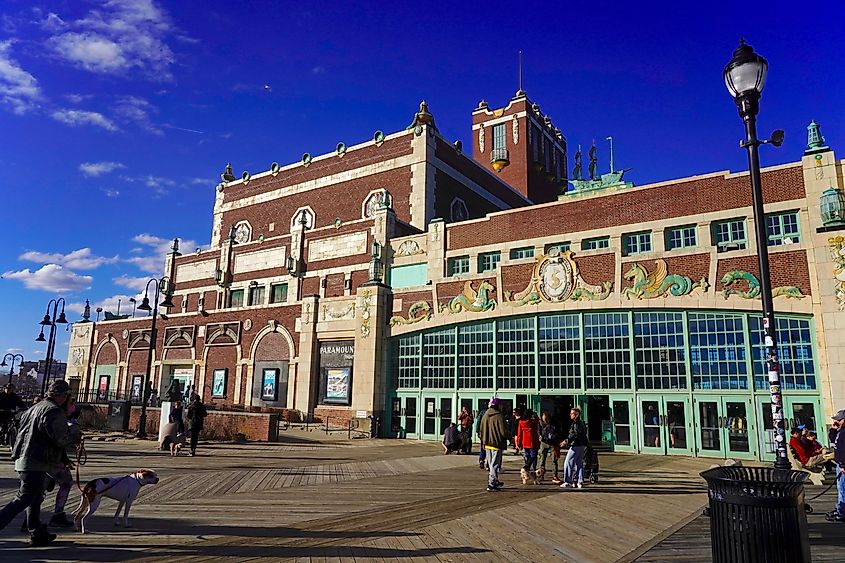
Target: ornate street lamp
{"points": [[12, 368], [51, 321], [745, 77], [164, 286]]}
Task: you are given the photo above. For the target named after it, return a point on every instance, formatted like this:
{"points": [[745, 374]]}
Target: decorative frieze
{"points": [[337, 247]]}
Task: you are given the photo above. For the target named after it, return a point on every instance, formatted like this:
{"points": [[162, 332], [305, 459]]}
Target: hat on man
{"points": [[496, 401], [801, 426], [58, 387], [839, 416]]}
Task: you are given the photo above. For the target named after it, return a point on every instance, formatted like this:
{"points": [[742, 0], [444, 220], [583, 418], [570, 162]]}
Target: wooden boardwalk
{"points": [[380, 500]]}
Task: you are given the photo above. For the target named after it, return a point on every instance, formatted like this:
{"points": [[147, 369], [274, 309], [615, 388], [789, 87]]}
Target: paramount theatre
{"points": [[407, 276]]}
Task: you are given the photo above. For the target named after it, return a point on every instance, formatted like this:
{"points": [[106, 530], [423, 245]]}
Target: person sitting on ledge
{"points": [[808, 455], [451, 439]]}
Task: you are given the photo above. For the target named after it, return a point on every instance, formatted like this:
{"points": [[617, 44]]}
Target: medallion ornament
{"points": [[556, 278]]}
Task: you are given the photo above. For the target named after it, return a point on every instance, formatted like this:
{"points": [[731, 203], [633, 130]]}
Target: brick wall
{"points": [[690, 197], [597, 269], [220, 357], [786, 268], [515, 278], [259, 427], [335, 285], [409, 299]]}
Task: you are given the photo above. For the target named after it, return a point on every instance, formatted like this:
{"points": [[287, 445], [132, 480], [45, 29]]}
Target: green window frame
{"points": [[408, 361], [795, 353], [660, 351], [559, 344], [561, 247], [278, 293], [438, 370], [783, 228], [595, 243], [236, 298], [717, 346], [730, 235], [499, 136], [607, 351], [476, 343], [515, 356], [256, 295], [637, 243], [520, 253], [488, 261], [681, 237], [457, 265]]}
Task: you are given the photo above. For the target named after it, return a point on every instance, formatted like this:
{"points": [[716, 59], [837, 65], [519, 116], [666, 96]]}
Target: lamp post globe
{"points": [[746, 72]]}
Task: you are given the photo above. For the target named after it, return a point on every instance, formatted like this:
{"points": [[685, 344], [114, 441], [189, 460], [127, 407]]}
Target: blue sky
{"points": [[117, 117]]}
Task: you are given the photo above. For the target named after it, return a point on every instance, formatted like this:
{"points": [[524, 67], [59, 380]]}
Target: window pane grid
{"points": [[795, 353], [782, 229], [560, 352], [660, 351], [681, 237], [560, 247], [499, 136], [408, 362], [475, 356], [518, 253], [595, 243], [637, 243], [516, 353], [730, 235], [488, 261], [717, 351], [607, 351], [439, 359], [458, 265]]}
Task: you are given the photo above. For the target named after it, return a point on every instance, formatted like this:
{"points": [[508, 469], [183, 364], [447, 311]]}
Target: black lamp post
{"points": [[164, 286], [134, 305], [745, 77], [12, 368], [51, 321]]}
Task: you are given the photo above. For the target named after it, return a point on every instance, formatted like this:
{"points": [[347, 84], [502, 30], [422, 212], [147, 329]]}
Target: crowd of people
{"points": [[536, 438]]}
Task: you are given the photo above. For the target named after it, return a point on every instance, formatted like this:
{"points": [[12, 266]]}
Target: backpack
{"points": [[549, 434]]}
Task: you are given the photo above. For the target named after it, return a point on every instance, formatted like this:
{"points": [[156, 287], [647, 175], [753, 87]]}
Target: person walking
{"points": [[196, 416], [573, 466], [465, 420], [513, 427], [177, 417], [549, 442], [42, 444], [494, 437], [528, 440], [61, 475], [482, 452], [838, 513]]}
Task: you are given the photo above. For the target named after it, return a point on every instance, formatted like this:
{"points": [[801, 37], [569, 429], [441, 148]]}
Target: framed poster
{"points": [[135, 393], [218, 383], [103, 388], [337, 385], [270, 384]]}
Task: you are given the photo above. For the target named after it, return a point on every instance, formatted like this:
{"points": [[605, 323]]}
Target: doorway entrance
{"points": [[796, 410], [597, 417], [437, 414], [403, 417], [665, 424], [724, 427]]}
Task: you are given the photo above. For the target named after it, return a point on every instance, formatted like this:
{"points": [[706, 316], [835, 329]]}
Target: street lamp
{"points": [[99, 310], [12, 368], [50, 321], [134, 305], [164, 286], [745, 77]]}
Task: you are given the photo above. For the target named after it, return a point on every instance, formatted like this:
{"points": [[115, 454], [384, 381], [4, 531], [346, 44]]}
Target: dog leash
{"points": [[79, 453], [838, 475]]}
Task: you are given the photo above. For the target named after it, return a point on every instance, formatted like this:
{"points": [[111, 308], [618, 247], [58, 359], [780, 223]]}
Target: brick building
{"points": [[402, 278]]}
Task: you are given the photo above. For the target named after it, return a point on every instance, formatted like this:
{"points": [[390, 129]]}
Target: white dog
{"points": [[122, 489]]}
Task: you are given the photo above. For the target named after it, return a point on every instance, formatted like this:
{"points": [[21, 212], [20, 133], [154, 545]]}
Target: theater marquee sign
{"points": [[336, 358]]}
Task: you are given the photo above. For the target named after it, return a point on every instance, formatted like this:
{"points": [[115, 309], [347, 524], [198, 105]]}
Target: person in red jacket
{"points": [[528, 440]]}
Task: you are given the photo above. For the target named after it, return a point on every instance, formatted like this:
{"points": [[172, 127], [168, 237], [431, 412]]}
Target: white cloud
{"points": [[119, 36], [110, 193], [128, 282], [19, 90], [137, 110], [99, 168], [50, 277], [108, 304], [14, 350], [318, 70], [77, 98], [53, 22], [75, 118], [202, 182], [159, 247], [82, 259], [37, 352]]}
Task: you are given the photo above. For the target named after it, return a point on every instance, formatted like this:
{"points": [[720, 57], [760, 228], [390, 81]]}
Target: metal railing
{"points": [[500, 155], [349, 425]]}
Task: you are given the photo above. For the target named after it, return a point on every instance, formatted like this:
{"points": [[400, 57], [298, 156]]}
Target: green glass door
{"points": [[724, 427], [623, 432], [437, 414], [664, 424], [797, 410], [403, 417]]}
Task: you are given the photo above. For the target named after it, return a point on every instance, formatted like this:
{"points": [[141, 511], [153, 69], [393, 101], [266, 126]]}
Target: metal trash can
{"points": [[757, 514], [118, 417]]}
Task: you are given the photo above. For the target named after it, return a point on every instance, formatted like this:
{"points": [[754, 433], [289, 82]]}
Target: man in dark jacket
{"points": [[41, 445], [838, 515], [576, 440], [196, 416], [494, 438]]}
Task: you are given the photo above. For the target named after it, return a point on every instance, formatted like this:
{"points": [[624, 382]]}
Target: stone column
{"points": [[305, 381], [369, 372]]}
